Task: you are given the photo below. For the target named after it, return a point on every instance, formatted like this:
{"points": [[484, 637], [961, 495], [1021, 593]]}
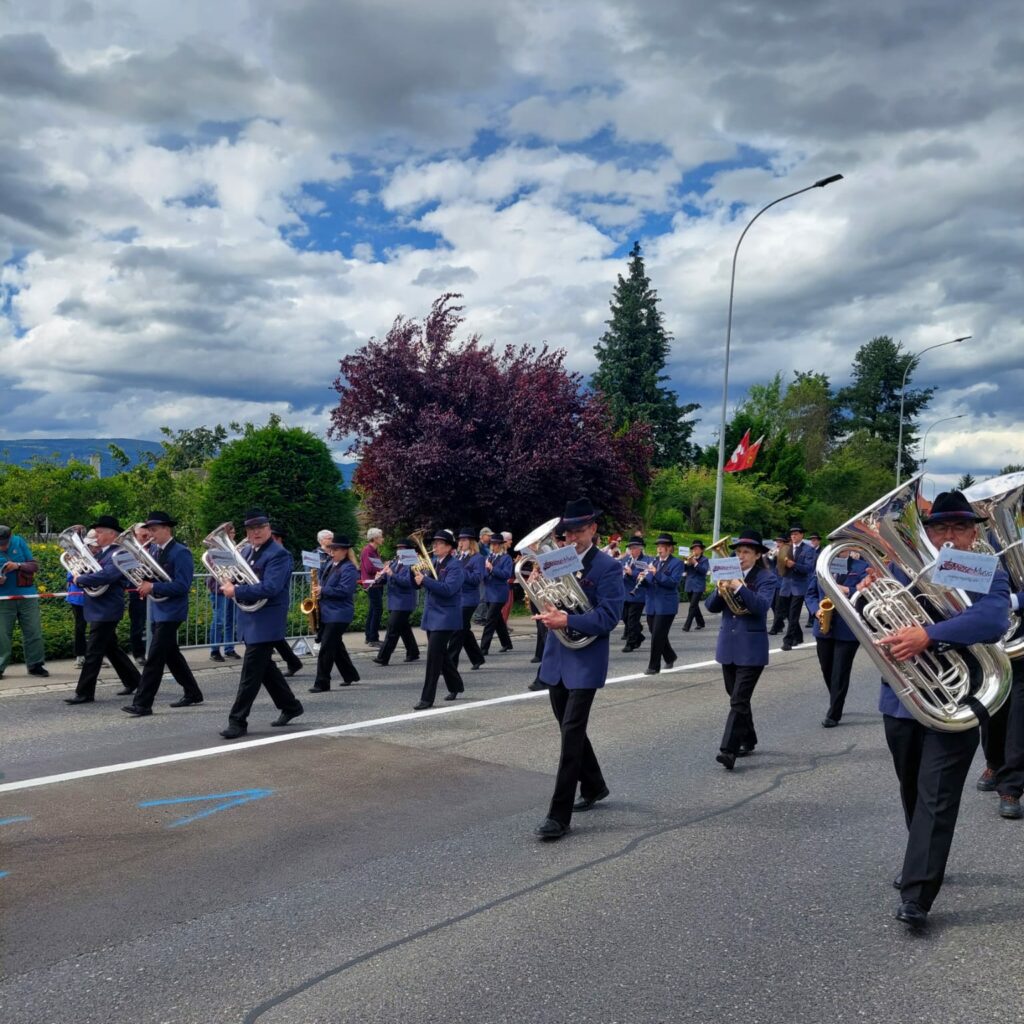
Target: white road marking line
{"points": [[329, 730]]}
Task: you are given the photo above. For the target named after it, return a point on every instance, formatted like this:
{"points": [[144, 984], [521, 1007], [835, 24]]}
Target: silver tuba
{"points": [[565, 593], [1001, 501], [937, 688], [225, 561], [77, 558], [135, 562]]}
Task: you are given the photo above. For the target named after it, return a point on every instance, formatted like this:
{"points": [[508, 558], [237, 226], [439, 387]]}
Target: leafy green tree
{"points": [[1013, 467], [192, 449], [631, 358], [811, 417], [288, 472]]}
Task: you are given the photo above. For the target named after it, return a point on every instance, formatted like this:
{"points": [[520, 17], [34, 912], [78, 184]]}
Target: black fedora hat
{"points": [[339, 540], [665, 538], [277, 531], [950, 507], [797, 527], [578, 512], [750, 539], [445, 535], [405, 542], [698, 544], [256, 517], [496, 538], [467, 533], [635, 540], [107, 523], [159, 519]]}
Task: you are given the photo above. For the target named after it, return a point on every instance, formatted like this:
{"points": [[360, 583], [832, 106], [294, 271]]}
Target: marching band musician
{"points": [[442, 616], [838, 647], [780, 606], [401, 605], [636, 596], [337, 609], [261, 629], [472, 562], [137, 607], [932, 766], [742, 648], [542, 631], [498, 568], [661, 579], [1009, 781], [282, 647], [801, 562], [573, 676], [815, 542], [103, 614], [166, 615], [695, 572]]}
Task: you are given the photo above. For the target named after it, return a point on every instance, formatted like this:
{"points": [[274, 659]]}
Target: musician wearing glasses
{"points": [[401, 605], [168, 610], [633, 566], [574, 675], [932, 765], [337, 609], [261, 629], [661, 578], [695, 582], [442, 616], [473, 569]]}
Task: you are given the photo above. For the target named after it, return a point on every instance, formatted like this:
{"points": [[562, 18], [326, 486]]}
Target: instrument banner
{"points": [[965, 570], [723, 569], [559, 562], [311, 559], [406, 556], [684, 551]]}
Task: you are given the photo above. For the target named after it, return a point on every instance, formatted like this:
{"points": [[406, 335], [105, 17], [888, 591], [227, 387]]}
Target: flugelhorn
{"points": [[225, 561], [78, 559], [135, 563], [725, 592]]}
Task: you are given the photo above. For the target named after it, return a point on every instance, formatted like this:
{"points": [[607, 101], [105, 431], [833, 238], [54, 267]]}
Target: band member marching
{"points": [[574, 675], [661, 579], [337, 610], [1009, 780], [695, 571], [742, 648], [168, 610], [282, 648], [498, 569], [780, 606], [800, 563], [442, 616], [473, 569], [636, 596], [401, 604]]}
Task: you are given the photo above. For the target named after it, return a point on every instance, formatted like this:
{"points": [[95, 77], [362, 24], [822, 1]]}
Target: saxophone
{"points": [[311, 605]]}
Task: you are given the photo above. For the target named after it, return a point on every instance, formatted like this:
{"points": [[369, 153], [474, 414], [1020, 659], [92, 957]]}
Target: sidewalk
{"points": [[64, 676]]}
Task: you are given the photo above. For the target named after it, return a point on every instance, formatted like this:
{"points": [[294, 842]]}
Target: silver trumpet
{"points": [[136, 564], [225, 561], [77, 558], [565, 593], [937, 688]]}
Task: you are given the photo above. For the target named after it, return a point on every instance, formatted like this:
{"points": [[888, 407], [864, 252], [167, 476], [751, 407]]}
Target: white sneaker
{"points": [[79, 661], [316, 647]]}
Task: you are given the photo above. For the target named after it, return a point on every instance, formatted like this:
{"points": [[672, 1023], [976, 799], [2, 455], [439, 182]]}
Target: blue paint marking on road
{"points": [[11, 821], [4, 874], [234, 799]]}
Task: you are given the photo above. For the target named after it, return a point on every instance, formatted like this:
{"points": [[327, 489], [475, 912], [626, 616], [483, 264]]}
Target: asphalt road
{"points": [[388, 872]]}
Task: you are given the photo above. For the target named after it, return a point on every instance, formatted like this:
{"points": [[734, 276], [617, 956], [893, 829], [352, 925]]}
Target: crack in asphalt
{"points": [[286, 995]]}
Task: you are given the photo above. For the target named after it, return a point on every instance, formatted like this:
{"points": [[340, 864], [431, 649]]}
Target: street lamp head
{"points": [[822, 182], [966, 337]]}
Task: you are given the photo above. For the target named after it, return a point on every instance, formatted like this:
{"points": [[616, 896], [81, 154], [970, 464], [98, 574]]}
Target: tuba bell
{"points": [[940, 689], [135, 563], [77, 558], [565, 593], [224, 561]]}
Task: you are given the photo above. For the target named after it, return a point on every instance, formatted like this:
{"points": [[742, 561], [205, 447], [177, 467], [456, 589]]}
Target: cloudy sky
{"points": [[203, 206]]}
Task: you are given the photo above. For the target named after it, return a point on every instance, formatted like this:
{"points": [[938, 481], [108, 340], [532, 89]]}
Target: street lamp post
{"points": [[924, 440], [821, 183], [903, 394]]}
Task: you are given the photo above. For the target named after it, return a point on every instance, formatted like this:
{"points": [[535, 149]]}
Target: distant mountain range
{"points": [[21, 452]]}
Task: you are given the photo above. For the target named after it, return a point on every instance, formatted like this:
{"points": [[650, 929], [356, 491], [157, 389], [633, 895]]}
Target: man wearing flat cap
{"points": [[574, 675], [103, 610], [168, 610]]}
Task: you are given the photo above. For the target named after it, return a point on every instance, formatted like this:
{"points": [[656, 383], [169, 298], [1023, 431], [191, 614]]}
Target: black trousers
{"points": [[137, 625], [577, 763], [258, 669], [740, 681], [931, 767], [661, 646], [1010, 779], [333, 652], [465, 637], [375, 614], [780, 609], [993, 737], [399, 629], [794, 634], [694, 614], [632, 614], [836, 660], [439, 662], [542, 639], [163, 652], [495, 624], [102, 643], [79, 612]]}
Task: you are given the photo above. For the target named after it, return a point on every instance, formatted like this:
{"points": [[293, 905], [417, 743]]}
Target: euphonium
{"points": [[826, 609], [77, 559], [564, 593], [225, 561], [426, 563], [937, 688], [135, 563], [311, 605], [718, 550]]}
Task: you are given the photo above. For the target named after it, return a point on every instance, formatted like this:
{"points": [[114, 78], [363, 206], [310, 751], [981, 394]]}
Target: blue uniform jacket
{"points": [[696, 576], [496, 579], [984, 622], [635, 594], [663, 587], [337, 592], [109, 606], [273, 565], [587, 669], [743, 639], [802, 572], [443, 606], [473, 571], [840, 630], [401, 590], [179, 564]]}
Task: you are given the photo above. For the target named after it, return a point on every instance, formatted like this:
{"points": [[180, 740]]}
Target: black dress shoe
{"points": [[686, 629], [787, 647], [451, 696], [897, 882], [476, 666], [126, 691], [383, 664], [699, 627], [216, 656], [184, 702], [628, 648], [293, 670], [135, 711], [829, 723], [319, 689], [233, 656], [669, 664], [422, 706], [505, 650], [551, 829], [38, 670], [584, 803], [729, 760], [408, 658], [651, 671], [79, 700], [374, 643], [535, 661], [1009, 807], [348, 682], [537, 685], [233, 732], [911, 914], [744, 751], [285, 717]]}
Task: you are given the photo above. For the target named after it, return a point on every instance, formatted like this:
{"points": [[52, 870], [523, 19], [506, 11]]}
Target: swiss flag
{"points": [[738, 459], [752, 453]]}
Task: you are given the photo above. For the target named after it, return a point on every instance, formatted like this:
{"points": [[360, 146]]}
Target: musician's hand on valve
{"points": [[228, 589], [906, 643], [871, 575], [145, 588], [552, 617], [418, 577], [734, 585]]}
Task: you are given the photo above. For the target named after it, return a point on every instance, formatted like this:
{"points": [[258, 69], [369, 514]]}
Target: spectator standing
{"points": [[17, 577]]}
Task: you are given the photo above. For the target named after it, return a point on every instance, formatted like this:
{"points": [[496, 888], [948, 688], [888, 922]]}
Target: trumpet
{"points": [[425, 564]]}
